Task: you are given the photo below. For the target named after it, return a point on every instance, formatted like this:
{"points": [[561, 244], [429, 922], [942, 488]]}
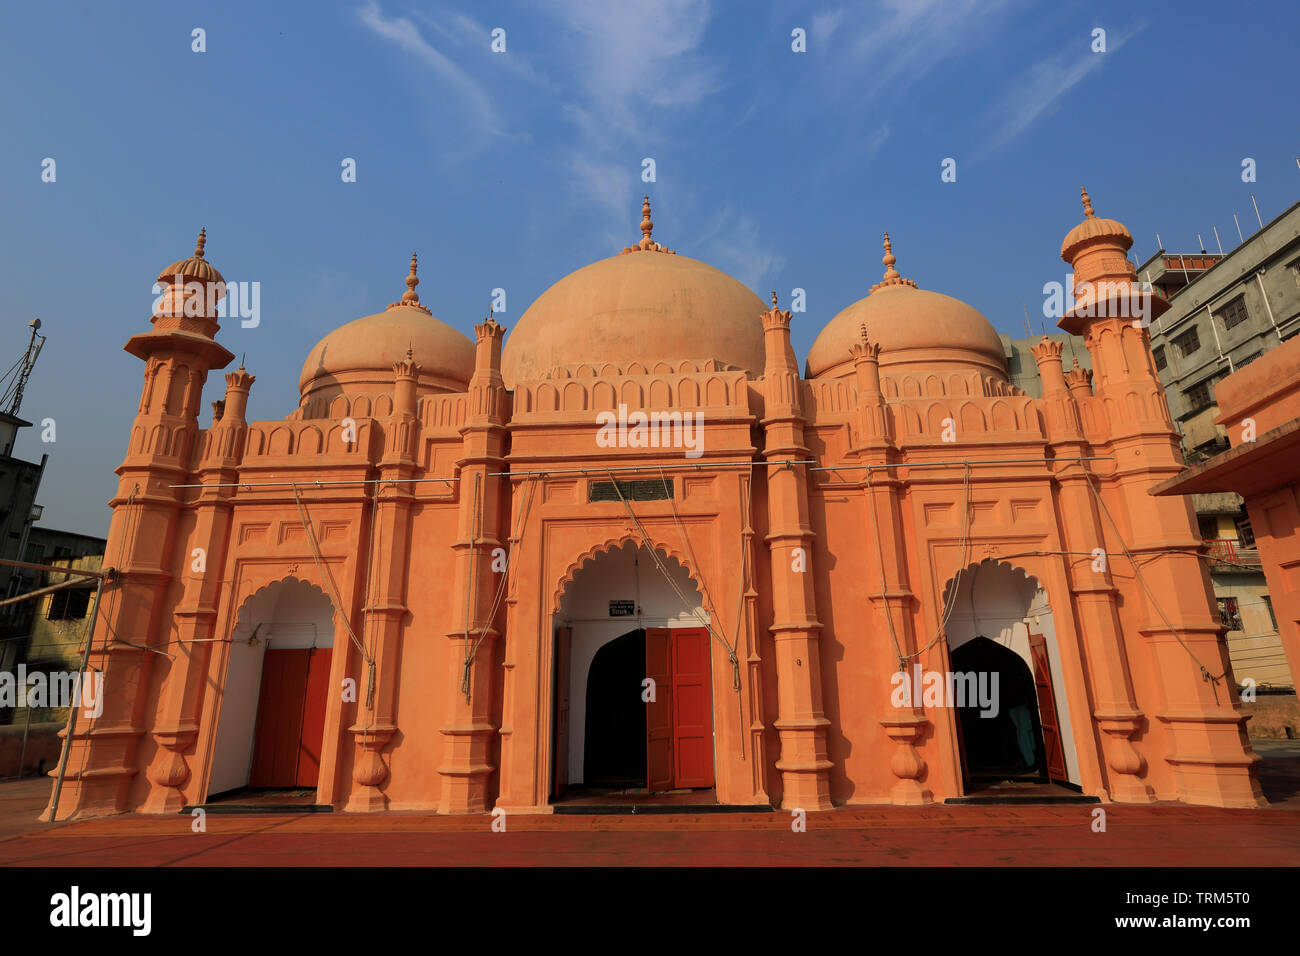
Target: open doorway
{"points": [[1001, 634], [633, 686], [270, 742]]}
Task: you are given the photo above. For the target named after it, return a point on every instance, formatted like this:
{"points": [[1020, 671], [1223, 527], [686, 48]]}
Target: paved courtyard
{"points": [[1162, 835]]}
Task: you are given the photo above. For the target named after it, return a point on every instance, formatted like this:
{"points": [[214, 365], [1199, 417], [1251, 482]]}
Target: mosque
{"points": [[634, 547]]}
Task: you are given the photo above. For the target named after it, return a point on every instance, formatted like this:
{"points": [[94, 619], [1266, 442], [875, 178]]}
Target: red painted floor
{"points": [[937, 836], [1164, 835]]}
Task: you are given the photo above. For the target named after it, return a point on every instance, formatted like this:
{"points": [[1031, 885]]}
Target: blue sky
{"points": [[512, 169]]}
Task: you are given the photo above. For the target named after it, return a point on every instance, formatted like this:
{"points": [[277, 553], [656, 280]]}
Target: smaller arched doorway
{"points": [[271, 725]]}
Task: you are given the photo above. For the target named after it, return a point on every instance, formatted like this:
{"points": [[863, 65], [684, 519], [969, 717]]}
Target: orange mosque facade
{"points": [[446, 581]]}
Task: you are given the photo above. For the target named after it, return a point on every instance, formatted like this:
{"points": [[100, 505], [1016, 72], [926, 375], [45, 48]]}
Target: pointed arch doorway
{"points": [[1017, 731], [270, 733], [632, 684]]}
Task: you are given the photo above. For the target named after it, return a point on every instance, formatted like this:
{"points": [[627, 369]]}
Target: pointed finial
{"points": [[862, 328], [774, 298], [412, 280], [242, 356], [202, 241], [889, 259], [410, 351], [1087, 203], [646, 224], [891, 278]]}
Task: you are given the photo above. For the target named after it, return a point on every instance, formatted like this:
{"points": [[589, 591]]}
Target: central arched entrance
{"points": [[1015, 730], [633, 700]]}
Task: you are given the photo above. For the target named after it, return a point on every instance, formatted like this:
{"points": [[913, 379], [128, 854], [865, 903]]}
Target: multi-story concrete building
{"points": [[1226, 311], [19, 482], [1229, 313]]}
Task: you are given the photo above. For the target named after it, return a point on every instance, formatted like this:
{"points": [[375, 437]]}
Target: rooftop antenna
{"points": [[1028, 331], [1257, 215], [1218, 242], [1240, 238], [1160, 242], [12, 399], [1200, 241]]}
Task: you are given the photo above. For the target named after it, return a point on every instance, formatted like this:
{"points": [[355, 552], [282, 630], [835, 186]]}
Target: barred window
{"points": [[1229, 614], [1234, 313], [649, 489], [1188, 342], [1159, 354], [1199, 396]]}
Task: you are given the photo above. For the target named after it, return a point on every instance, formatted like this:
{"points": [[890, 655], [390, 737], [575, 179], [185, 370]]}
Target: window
{"points": [[651, 489], [1234, 313], [1295, 271], [1268, 603], [1248, 359], [1245, 533], [1199, 397], [1209, 527], [1188, 342], [1229, 614], [1159, 354], [68, 604]]}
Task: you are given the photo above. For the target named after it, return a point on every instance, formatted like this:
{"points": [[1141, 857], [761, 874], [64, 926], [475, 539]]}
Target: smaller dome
{"points": [[914, 328], [358, 357], [1093, 228], [195, 267]]}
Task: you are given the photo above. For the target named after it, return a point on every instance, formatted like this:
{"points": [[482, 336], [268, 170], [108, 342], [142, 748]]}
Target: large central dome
{"points": [[646, 305]]}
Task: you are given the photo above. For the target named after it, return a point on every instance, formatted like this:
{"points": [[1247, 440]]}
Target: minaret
{"points": [[178, 353], [1206, 742], [801, 723], [386, 609], [469, 731], [891, 604]]}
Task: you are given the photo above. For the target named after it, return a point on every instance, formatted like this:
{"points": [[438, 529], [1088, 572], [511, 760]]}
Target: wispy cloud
{"points": [[635, 69], [734, 242], [875, 47], [1040, 90], [477, 104]]}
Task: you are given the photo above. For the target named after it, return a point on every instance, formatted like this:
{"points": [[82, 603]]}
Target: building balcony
{"points": [[1227, 555]]}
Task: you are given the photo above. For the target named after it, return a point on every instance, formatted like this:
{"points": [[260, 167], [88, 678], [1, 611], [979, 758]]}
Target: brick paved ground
{"points": [[1162, 835]]}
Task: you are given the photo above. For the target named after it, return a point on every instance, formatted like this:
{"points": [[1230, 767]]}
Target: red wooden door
{"points": [[1047, 708], [279, 718], [659, 712], [563, 640], [313, 716], [290, 718], [692, 708]]}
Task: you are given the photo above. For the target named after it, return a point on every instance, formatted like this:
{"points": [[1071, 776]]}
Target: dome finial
{"points": [[1087, 202], [891, 277], [646, 244], [889, 260], [410, 298], [412, 280], [646, 224], [200, 243]]}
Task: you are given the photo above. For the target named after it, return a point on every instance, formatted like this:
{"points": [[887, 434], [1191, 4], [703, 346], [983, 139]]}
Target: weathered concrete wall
{"points": [[41, 755]]}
